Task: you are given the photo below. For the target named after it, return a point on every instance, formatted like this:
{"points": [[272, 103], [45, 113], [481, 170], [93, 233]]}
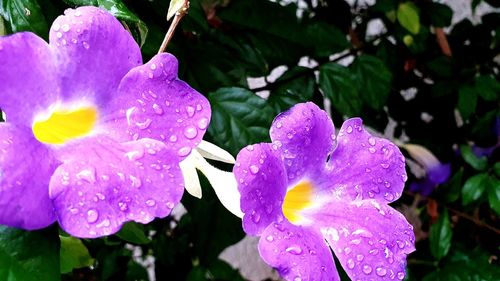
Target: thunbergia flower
{"points": [[435, 172], [309, 191], [93, 138]]}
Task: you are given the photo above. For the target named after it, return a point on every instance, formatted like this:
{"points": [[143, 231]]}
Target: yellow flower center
{"points": [[64, 125], [297, 199]]}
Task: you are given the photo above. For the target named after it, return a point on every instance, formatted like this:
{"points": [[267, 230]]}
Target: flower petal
{"points": [[366, 167], [262, 183], [106, 184], [25, 170], [153, 103], [27, 77], [370, 240], [94, 52], [297, 253], [305, 134]]}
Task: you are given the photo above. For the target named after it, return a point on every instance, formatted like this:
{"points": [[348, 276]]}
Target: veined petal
{"points": [[94, 52], [297, 253], [261, 178], [106, 184], [153, 103], [25, 170], [365, 167], [28, 79], [305, 136], [370, 240]]}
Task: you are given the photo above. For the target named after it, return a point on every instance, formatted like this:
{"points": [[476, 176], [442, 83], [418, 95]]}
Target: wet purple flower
{"points": [[309, 191], [93, 138]]}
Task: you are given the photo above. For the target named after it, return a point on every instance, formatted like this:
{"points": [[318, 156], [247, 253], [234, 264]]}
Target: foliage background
{"points": [[445, 99]]}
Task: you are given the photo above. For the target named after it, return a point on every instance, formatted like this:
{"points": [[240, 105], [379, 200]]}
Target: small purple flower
{"points": [[93, 138], [309, 191]]}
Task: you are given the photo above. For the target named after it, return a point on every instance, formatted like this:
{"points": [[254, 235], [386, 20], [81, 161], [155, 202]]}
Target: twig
{"points": [[170, 32], [442, 41]]}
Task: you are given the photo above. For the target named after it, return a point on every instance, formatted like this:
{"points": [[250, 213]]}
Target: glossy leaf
{"points": [[133, 233], [488, 87], [408, 17], [478, 163], [440, 236], [73, 254], [294, 86], [440, 14], [24, 15], [474, 187], [493, 189]]}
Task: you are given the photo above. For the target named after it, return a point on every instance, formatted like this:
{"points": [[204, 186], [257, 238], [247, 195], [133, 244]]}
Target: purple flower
{"points": [[309, 191], [93, 138]]}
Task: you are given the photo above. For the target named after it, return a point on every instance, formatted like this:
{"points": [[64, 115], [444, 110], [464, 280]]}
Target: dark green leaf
{"points": [[24, 15], [440, 236], [82, 2], [118, 9], [325, 39], [496, 169], [294, 86], [408, 17], [29, 255], [474, 187], [467, 101], [487, 87], [73, 254], [373, 80], [239, 118], [477, 163], [441, 67], [338, 84], [440, 14], [493, 189], [135, 272], [134, 233], [220, 270], [451, 189]]}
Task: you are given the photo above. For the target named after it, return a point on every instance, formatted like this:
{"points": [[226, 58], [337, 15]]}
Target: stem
{"points": [[170, 32]]}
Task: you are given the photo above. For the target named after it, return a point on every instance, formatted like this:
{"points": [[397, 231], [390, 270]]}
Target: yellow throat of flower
{"points": [[64, 125], [297, 199]]}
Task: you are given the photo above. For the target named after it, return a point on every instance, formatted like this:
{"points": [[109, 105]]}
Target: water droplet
{"points": [[297, 278], [388, 196], [294, 250], [347, 250], [387, 184], [279, 124], [86, 45], [87, 175], [123, 206], [349, 129], [173, 138], [56, 27], [136, 182], [371, 141], [100, 196], [184, 151], [170, 205], [289, 136], [367, 269], [350, 263], [360, 257], [250, 147], [77, 14], [157, 109], [381, 271], [190, 111], [385, 165], [92, 216], [152, 66], [373, 252], [401, 275], [65, 27], [270, 238], [372, 149], [190, 132], [151, 202], [144, 125], [203, 123], [254, 169]]}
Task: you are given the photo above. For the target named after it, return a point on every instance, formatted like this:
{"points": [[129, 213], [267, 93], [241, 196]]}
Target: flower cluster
{"points": [[93, 138]]}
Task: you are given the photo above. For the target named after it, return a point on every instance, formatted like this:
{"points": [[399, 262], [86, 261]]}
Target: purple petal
{"points": [[439, 174], [27, 76], [370, 240], [305, 134], [366, 167], [153, 103], [106, 184], [25, 170], [261, 179], [94, 52], [297, 253]]}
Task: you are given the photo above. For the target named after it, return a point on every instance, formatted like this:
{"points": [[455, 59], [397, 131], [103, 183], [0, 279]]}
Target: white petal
{"points": [[211, 151], [422, 155], [191, 180]]}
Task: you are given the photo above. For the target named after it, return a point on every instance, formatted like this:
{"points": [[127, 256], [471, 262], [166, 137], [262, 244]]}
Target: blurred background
{"points": [[422, 73]]}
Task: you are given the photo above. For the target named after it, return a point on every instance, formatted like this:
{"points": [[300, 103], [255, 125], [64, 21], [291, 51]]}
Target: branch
{"points": [[170, 32]]}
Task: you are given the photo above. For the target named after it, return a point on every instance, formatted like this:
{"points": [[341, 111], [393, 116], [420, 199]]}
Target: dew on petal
{"points": [[190, 111], [294, 250], [92, 216], [350, 263], [184, 151], [254, 169], [367, 269], [381, 271], [190, 132], [203, 123]]}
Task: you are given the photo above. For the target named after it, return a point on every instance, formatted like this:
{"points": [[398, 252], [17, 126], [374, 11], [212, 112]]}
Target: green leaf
{"points": [[239, 118], [325, 39], [338, 84], [451, 189], [487, 87], [440, 236], [118, 9], [29, 255], [294, 86], [440, 14], [134, 233], [24, 15], [78, 3], [73, 254], [220, 270], [174, 7], [373, 80], [479, 164], [408, 17], [493, 189], [496, 169], [467, 101], [474, 187]]}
